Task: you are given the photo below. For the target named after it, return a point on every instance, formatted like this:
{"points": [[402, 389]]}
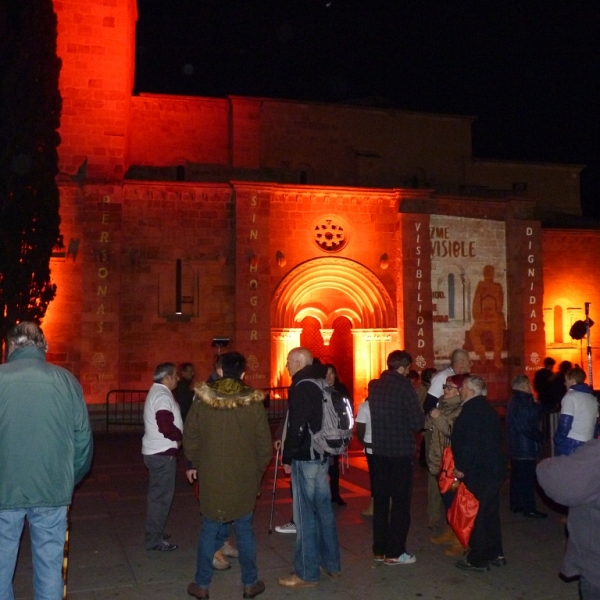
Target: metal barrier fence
{"points": [[125, 408]]}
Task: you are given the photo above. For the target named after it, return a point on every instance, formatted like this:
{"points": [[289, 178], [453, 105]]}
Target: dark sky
{"points": [[528, 69]]}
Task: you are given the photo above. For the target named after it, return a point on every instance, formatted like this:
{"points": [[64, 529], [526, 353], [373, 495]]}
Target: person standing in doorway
{"points": [[333, 380]]}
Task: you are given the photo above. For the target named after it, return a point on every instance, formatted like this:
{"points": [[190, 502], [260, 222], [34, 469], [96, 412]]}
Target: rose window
{"points": [[330, 236]]}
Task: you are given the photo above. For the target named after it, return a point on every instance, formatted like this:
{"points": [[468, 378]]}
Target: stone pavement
{"points": [[107, 559]]}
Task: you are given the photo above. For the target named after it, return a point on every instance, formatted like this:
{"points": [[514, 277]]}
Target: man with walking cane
{"points": [[45, 449]]}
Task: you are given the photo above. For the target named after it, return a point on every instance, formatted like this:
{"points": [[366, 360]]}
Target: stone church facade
{"points": [[352, 230]]}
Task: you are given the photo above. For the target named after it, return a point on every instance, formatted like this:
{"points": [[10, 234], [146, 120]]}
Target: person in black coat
{"points": [[524, 444], [480, 463]]}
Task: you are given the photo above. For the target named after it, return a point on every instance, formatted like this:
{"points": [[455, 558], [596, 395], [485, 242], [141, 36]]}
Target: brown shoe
{"points": [[293, 581], [254, 590], [195, 590]]}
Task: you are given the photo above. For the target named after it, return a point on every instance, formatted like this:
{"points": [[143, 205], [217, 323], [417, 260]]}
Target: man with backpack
{"points": [[317, 550], [395, 416]]}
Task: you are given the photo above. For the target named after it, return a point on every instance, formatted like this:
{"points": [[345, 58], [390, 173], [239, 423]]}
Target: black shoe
{"points": [[340, 501], [465, 565], [535, 514], [516, 509], [499, 561]]}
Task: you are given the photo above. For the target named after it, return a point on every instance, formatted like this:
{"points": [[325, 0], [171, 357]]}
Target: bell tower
{"points": [[96, 43]]}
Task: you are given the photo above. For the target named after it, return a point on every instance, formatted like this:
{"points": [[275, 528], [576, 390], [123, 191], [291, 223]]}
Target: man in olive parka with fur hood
{"points": [[227, 439]]}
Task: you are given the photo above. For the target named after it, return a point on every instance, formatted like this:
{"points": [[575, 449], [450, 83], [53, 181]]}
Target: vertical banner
{"points": [[414, 289], [252, 302], [525, 255]]}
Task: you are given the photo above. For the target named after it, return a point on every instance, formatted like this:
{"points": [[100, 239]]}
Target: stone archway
{"points": [[325, 289]]}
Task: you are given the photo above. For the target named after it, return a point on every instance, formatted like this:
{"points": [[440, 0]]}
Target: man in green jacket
{"points": [[45, 449], [227, 440]]}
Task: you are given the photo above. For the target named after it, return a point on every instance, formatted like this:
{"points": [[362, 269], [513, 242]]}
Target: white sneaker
{"points": [[229, 551], [403, 559], [220, 563], [287, 528]]}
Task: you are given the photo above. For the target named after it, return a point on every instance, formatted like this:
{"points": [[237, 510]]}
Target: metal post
{"points": [[589, 344]]}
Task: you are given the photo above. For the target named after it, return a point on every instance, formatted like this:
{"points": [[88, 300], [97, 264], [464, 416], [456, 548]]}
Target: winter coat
{"points": [[45, 434], [523, 436], [441, 431], [227, 439], [574, 482], [477, 445]]}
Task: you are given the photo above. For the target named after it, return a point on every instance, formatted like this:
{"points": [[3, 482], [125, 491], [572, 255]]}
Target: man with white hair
{"points": [[481, 465], [460, 363], [45, 449]]}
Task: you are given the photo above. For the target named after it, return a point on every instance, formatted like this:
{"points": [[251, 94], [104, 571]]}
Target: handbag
{"points": [[462, 513], [446, 477]]}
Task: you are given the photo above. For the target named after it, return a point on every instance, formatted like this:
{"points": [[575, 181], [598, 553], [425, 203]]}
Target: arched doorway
{"points": [[341, 309], [336, 350]]}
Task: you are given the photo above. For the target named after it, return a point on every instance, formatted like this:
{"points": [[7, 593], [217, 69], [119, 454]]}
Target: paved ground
{"points": [[107, 559]]}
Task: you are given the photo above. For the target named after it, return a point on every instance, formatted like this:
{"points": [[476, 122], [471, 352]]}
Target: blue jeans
{"points": [[212, 537], [47, 529], [316, 534]]}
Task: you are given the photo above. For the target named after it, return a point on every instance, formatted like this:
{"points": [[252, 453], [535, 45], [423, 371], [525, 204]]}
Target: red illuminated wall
{"points": [[243, 243], [570, 280], [169, 130], [96, 41]]}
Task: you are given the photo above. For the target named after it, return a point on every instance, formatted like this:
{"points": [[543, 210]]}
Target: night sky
{"points": [[529, 69]]}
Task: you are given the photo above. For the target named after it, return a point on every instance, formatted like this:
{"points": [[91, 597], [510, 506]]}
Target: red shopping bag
{"points": [[462, 513], [446, 477]]}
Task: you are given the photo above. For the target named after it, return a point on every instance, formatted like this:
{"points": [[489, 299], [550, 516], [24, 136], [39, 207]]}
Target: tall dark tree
{"points": [[30, 105]]}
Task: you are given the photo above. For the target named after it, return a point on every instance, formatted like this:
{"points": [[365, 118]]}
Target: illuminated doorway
{"points": [[350, 308], [337, 350]]}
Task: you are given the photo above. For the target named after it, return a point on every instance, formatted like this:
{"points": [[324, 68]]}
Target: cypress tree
{"points": [[30, 105]]}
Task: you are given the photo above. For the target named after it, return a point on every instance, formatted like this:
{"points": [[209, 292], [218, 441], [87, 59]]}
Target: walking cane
{"points": [[65, 564], [274, 488]]}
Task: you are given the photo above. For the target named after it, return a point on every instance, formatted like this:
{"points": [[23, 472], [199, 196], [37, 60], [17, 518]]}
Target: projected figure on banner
{"points": [[488, 316]]}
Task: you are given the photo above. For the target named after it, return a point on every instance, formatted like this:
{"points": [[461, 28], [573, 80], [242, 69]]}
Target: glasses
{"points": [[447, 386]]}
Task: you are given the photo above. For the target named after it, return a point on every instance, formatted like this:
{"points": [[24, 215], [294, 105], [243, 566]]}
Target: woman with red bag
{"points": [[440, 421]]}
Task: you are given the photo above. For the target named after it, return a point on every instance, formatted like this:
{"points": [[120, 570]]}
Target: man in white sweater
{"points": [[163, 433]]}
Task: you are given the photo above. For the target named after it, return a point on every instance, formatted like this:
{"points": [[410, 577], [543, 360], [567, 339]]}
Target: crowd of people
{"points": [[222, 427]]}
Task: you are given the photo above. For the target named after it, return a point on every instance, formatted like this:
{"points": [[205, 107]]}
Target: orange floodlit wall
{"points": [[353, 256], [96, 42], [190, 130], [570, 280]]}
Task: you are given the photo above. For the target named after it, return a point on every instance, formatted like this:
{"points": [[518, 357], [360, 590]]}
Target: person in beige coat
{"points": [[440, 421], [227, 440]]}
